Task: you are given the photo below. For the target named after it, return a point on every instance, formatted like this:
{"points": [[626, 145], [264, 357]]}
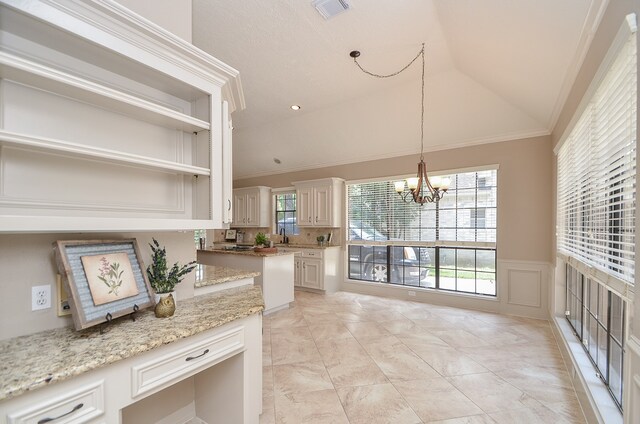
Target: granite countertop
{"points": [[245, 252], [37, 360], [209, 275], [306, 246]]}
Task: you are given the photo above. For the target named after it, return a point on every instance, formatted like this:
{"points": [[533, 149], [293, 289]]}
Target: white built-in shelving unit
{"points": [[110, 123]]}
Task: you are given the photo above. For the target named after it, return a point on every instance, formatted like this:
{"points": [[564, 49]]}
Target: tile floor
{"points": [[350, 358]]}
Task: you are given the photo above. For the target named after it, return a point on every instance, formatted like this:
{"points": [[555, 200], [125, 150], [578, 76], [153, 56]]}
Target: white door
{"points": [[304, 206], [322, 206], [253, 208], [297, 271], [312, 273], [239, 209]]}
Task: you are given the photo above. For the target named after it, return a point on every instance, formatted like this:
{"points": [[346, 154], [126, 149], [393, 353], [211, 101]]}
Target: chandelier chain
{"points": [[420, 53]]}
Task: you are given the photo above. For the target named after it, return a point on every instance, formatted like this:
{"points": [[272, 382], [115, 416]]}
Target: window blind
{"points": [[466, 214], [597, 173]]}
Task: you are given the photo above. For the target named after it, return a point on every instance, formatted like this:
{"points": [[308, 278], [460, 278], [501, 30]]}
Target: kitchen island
{"points": [[276, 272]]}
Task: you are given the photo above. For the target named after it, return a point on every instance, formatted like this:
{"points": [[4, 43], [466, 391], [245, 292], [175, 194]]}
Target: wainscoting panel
{"points": [[523, 287]]}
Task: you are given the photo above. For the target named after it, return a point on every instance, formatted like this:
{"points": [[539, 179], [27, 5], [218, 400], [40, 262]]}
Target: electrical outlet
{"points": [[411, 293], [40, 297]]}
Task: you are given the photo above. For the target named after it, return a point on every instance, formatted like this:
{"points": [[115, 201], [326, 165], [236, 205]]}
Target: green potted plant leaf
{"points": [[262, 244], [261, 240], [162, 279]]}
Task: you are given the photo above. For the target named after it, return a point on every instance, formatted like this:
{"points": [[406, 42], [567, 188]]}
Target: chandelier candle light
{"points": [[421, 189]]}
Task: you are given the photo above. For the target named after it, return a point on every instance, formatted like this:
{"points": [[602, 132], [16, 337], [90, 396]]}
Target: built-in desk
{"points": [[211, 349]]}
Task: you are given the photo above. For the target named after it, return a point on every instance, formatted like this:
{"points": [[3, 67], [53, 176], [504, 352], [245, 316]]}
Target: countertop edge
{"points": [[11, 391]]}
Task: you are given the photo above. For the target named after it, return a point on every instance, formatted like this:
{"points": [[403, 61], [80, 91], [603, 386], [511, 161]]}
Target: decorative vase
{"points": [[158, 296], [166, 306]]}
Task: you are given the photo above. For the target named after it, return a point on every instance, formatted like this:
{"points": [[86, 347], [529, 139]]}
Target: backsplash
{"points": [[306, 236]]}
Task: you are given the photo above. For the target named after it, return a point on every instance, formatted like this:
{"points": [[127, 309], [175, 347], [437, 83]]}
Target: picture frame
{"points": [[105, 279], [230, 235]]}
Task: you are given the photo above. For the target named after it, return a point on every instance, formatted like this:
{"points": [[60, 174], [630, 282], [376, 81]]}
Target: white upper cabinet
{"points": [[319, 202], [110, 123], [251, 207]]}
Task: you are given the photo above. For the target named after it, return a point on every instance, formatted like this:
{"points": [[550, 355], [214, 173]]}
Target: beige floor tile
{"points": [[301, 377], [313, 349], [268, 415], [267, 380], [436, 399], [287, 319], [473, 419], [397, 361], [380, 403], [447, 361], [328, 331], [322, 407], [491, 393], [543, 384], [293, 334], [287, 352], [536, 415], [366, 329], [570, 411], [460, 338]]}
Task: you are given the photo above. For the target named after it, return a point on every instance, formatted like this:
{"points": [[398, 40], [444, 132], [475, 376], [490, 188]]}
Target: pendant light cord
{"points": [[355, 55]]}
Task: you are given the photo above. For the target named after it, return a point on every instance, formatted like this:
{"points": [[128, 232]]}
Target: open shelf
{"points": [[44, 77], [113, 156]]}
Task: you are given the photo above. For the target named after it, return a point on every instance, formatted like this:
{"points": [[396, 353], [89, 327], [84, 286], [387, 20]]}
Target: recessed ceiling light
{"points": [[295, 107], [278, 161]]}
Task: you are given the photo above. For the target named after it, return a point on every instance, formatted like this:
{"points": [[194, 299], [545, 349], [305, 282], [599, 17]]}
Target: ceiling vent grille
{"points": [[330, 8]]}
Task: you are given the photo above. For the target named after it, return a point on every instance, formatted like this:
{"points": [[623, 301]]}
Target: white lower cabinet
{"points": [[311, 276], [317, 269], [215, 376], [80, 405]]}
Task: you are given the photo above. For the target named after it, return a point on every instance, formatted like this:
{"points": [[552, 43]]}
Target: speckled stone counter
{"points": [[307, 246], [37, 360], [209, 275], [245, 252]]}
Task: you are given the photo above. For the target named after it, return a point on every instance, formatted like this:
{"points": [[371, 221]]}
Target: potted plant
{"points": [[263, 245], [262, 240], [162, 279], [320, 240]]}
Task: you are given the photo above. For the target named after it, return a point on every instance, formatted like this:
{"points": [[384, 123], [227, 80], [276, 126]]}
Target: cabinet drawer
{"points": [[184, 361], [312, 253], [75, 407]]}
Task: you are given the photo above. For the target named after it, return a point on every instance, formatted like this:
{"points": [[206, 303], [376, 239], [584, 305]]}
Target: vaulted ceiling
{"points": [[496, 70]]}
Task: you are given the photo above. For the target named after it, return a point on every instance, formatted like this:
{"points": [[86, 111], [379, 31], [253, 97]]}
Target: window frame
{"points": [[274, 219], [436, 245]]}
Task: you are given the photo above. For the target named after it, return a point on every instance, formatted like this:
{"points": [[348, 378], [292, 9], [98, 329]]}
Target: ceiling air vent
{"points": [[330, 8]]}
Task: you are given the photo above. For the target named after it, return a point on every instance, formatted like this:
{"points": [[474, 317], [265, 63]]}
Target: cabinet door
{"points": [[297, 271], [322, 206], [239, 209], [253, 209], [304, 205], [227, 165], [312, 274]]}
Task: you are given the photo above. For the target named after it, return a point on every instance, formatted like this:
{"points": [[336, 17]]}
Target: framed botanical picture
{"points": [[105, 279], [230, 235]]}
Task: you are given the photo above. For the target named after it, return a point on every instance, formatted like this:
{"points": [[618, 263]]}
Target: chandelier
{"points": [[421, 189]]}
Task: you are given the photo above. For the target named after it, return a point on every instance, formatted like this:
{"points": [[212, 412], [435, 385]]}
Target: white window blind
{"points": [[467, 213], [597, 172]]}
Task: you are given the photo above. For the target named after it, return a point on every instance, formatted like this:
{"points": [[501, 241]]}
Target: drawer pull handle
{"points": [[75, 408], [191, 358]]}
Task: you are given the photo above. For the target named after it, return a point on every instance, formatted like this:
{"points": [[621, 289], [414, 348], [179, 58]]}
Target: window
{"points": [[286, 213], [448, 245], [197, 235], [597, 315], [596, 211], [597, 172]]}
